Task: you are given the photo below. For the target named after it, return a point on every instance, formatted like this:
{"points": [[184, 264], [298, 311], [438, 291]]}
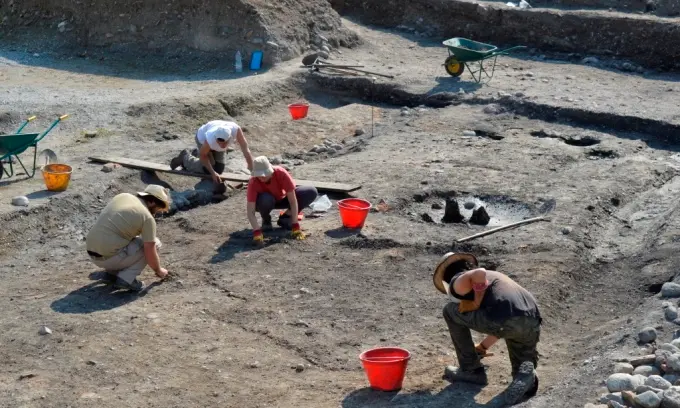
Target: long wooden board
{"points": [[242, 178]]}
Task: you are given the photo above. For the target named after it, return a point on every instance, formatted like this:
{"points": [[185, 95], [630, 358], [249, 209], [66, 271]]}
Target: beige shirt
{"points": [[124, 218]]}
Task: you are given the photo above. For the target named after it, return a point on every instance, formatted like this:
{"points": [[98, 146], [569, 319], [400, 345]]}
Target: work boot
{"points": [[524, 383], [179, 160], [267, 224], [477, 376], [135, 286]]}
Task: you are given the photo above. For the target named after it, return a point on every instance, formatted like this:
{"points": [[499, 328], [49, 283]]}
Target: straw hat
{"points": [[262, 167], [158, 192], [439, 278]]}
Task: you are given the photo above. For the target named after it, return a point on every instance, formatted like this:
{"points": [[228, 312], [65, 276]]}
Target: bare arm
{"points": [[151, 255], [204, 156], [250, 208], [292, 199], [241, 139], [464, 284]]}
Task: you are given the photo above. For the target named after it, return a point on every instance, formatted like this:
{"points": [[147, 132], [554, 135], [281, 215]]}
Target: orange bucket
{"points": [[353, 212], [57, 176], [385, 367], [298, 110]]}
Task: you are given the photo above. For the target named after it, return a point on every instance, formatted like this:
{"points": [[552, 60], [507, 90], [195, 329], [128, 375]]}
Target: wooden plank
{"points": [[241, 178]]}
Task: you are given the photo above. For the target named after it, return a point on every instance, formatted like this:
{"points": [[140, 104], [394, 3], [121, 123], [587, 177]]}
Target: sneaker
{"points": [[109, 277], [454, 374], [135, 286], [267, 224], [523, 384], [179, 160]]}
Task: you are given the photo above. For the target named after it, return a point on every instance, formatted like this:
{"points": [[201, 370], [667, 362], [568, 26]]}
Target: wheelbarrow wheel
{"points": [[454, 67]]}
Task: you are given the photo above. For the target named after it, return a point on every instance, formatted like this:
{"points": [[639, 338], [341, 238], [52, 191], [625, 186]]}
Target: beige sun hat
{"points": [[262, 167], [159, 192], [441, 282]]}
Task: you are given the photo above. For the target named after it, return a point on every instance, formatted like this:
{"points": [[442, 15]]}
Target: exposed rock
{"points": [[648, 399], [109, 167], [657, 382], [671, 398], [300, 368], [452, 212], [590, 60], [673, 362], [90, 134], [566, 230], [469, 205], [359, 132], [645, 388], [469, 133], [614, 396], [670, 313], [276, 160], [437, 206], [670, 289], [623, 382], [20, 201], [589, 405], [45, 330], [625, 368], [646, 370], [647, 335], [480, 216], [426, 217], [669, 347]]}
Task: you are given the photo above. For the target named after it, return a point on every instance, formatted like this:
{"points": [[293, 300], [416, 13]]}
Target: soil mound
{"points": [[283, 29]]}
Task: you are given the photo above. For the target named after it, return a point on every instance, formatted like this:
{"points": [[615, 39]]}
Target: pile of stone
{"points": [[650, 381]]}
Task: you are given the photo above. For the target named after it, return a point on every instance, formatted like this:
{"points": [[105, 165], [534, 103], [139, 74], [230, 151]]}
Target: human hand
{"points": [[258, 238], [216, 178], [162, 273], [297, 232]]}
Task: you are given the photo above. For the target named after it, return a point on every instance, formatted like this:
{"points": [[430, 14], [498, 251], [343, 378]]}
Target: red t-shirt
{"points": [[280, 184]]}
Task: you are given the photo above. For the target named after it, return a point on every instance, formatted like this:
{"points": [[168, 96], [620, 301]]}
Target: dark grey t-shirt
{"points": [[504, 298]]}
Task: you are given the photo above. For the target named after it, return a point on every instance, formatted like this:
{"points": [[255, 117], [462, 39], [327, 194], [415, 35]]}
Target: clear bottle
{"points": [[238, 65]]}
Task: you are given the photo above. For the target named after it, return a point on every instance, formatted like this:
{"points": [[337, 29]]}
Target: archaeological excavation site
{"points": [[459, 168]]}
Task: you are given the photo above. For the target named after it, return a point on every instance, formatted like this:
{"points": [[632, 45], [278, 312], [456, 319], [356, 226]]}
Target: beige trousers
{"points": [[128, 263]]}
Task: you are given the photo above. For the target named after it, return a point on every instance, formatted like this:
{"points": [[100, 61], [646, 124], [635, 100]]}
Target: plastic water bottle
{"points": [[238, 65]]}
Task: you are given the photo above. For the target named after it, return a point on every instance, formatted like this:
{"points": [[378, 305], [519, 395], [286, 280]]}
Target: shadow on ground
{"points": [[242, 241], [95, 297], [455, 395], [135, 64]]}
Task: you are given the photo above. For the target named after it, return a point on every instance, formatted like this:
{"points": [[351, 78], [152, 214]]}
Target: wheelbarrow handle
{"points": [[507, 50], [62, 117], [32, 118], [52, 126]]}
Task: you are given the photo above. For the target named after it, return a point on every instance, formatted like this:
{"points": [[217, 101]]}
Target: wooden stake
{"points": [[493, 231]]}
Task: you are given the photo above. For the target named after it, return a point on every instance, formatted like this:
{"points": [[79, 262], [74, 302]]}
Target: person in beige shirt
{"points": [[123, 239]]}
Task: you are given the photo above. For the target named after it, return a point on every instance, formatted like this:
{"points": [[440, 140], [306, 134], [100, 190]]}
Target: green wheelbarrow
{"points": [[472, 54], [11, 146]]}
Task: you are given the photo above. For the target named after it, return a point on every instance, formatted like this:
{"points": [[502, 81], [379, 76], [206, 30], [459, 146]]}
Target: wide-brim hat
{"points": [[262, 167], [439, 279], [159, 192]]}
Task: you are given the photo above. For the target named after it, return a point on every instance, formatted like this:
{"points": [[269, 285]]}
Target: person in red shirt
{"points": [[272, 187]]}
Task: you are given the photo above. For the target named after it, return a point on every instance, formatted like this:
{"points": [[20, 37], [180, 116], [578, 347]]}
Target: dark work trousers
{"points": [[521, 335], [266, 203]]}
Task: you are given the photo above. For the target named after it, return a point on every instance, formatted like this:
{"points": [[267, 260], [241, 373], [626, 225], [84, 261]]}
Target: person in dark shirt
{"points": [[489, 302]]}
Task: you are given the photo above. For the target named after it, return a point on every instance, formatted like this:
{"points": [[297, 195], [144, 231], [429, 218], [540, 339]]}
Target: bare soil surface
{"points": [[283, 326]]}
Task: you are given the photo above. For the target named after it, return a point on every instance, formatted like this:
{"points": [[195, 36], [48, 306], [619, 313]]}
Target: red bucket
{"points": [[353, 212], [385, 367], [298, 110]]}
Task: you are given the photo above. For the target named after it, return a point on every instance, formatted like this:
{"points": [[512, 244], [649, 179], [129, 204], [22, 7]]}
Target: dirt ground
{"points": [[283, 326]]}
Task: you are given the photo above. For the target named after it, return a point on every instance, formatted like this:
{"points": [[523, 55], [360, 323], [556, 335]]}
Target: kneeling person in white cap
{"points": [[489, 302], [272, 187], [123, 239], [213, 139]]}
